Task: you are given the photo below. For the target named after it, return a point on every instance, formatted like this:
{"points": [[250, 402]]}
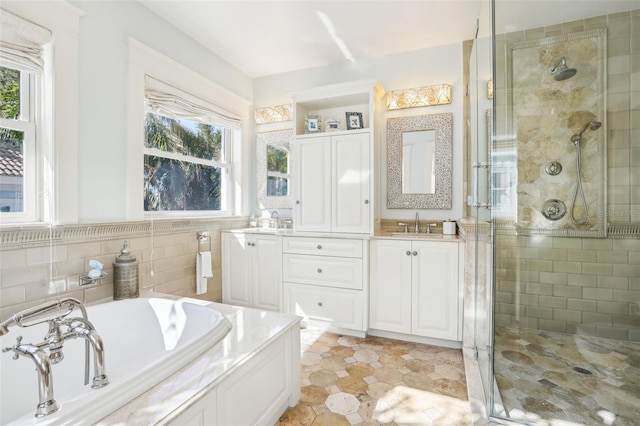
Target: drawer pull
{"points": [[319, 270], [415, 253], [320, 304], [319, 246], [366, 201], [408, 252]]}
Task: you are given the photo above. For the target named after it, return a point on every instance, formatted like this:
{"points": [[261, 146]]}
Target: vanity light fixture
{"points": [[490, 89], [274, 114], [440, 94]]}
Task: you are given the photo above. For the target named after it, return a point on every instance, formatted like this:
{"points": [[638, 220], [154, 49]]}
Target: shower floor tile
{"points": [[545, 377], [351, 381]]}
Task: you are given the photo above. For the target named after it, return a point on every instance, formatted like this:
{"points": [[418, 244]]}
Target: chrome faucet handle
{"points": [[14, 348], [429, 225], [406, 226]]}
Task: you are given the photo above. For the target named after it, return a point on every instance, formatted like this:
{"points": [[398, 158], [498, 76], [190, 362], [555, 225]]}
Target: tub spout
{"points": [[85, 330], [47, 403]]}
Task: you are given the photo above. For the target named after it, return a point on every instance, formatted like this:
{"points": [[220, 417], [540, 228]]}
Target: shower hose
{"points": [[579, 187]]}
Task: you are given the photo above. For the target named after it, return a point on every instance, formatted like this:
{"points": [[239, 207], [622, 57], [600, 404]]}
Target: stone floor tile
{"points": [[366, 355], [323, 378], [354, 418], [343, 403], [331, 419], [313, 395], [310, 358]]}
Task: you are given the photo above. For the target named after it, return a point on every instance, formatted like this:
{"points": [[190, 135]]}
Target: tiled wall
{"points": [[583, 285], [570, 285], [29, 276]]}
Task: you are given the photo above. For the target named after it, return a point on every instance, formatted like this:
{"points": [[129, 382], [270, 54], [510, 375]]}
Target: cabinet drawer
{"points": [[342, 272], [323, 246], [343, 308]]}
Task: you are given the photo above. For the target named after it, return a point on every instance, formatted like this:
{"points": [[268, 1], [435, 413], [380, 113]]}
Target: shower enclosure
{"points": [[555, 170]]}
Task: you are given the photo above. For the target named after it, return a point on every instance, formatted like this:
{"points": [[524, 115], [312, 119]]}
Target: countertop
{"points": [[383, 235]]}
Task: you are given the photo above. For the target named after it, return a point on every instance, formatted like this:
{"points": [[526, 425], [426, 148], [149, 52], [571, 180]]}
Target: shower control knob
{"points": [[553, 168]]}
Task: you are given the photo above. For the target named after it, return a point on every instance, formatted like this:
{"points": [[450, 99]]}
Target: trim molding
{"points": [[14, 238]]}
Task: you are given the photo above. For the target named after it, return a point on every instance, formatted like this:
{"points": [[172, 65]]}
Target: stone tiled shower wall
{"points": [[582, 285], [29, 276]]}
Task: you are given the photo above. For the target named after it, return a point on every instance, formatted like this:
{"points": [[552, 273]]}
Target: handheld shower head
{"points": [[561, 71], [592, 125]]}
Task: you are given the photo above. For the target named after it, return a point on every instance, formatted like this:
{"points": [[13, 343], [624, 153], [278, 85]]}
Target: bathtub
{"points": [[145, 339]]}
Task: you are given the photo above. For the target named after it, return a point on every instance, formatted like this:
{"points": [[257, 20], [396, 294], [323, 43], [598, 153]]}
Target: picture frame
{"points": [[331, 125], [312, 123], [354, 120]]}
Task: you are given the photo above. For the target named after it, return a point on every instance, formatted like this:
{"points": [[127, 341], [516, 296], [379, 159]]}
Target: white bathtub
{"points": [[145, 339]]}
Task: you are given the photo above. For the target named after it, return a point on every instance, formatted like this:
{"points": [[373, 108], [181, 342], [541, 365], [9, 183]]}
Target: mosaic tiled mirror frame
{"points": [[442, 124], [544, 114], [278, 138]]}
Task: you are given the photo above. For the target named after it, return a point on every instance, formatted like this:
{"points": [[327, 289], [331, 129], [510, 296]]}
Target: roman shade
{"points": [[21, 43]]}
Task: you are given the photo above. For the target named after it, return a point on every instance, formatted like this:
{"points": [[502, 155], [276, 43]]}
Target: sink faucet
{"points": [[275, 215], [53, 342], [416, 229]]}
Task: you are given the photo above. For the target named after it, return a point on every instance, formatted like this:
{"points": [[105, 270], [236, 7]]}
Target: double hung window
{"points": [[21, 71], [187, 155]]}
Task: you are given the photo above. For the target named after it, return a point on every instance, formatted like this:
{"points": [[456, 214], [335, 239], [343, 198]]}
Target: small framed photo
{"points": [[354, 120], [331, 125], [312, 123]]}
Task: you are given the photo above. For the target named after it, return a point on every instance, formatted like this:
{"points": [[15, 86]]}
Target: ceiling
{"points": [[266, 37]]}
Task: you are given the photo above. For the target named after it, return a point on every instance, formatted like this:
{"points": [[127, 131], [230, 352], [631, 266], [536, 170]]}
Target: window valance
{"points": [[21, 43], [170, 101]]}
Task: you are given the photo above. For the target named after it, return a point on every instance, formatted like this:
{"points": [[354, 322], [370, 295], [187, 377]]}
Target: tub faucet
{"points": [[47, 403], [53, 342]]}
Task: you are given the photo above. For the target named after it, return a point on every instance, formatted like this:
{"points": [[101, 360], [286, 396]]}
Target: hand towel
{"points": [[203, 271]]}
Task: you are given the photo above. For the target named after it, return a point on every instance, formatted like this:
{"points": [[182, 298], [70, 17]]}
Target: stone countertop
{"points": [[422, 236], [293, 233], [252, 331]]}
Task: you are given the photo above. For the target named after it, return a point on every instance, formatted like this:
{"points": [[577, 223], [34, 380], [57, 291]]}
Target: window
{"points": [[21, 68], [186, 152], [17, 143], [184, 165]]}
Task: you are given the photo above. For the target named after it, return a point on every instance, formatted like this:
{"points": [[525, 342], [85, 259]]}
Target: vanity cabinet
{"points": [[324, 281], [415, 288], [252, 270], [334, 188]]}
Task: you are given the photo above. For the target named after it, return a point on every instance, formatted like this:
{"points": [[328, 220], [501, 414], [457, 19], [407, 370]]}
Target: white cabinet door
{"points": [[435, 290], [313, 174], [390, 286], [266, 251], [252, 270], [350, 183], [236, 270]]}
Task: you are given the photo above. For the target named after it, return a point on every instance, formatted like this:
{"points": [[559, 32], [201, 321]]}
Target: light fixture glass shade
{"points": [[439, 94], [274, 114], [490, 89]]}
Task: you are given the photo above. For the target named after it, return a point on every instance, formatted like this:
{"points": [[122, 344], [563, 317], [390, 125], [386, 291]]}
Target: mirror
{"points": [[419, 162], [273, 169]]}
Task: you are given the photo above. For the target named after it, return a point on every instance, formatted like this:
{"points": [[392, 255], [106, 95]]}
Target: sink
{"points": [[414, 235]]}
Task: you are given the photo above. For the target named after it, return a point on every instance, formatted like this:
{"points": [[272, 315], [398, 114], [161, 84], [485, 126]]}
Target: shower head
{"points": [[592, 125], [561, 71]]}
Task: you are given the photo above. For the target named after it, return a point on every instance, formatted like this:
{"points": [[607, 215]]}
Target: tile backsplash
{"points": [[32, 272]]}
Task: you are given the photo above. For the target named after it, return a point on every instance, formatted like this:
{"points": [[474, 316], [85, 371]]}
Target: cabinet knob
{"points": [[408, 252], [366, 201], [319, 270], [297, 201], [320, 304], [319, 246], [415, 253]]}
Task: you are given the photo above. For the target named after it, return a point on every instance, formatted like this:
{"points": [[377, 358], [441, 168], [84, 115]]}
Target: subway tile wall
{"points": [[29, 276], [569, 285], [582, 285]]}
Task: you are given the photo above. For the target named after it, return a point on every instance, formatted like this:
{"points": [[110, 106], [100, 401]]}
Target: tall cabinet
{"points": [[325, 272]]}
